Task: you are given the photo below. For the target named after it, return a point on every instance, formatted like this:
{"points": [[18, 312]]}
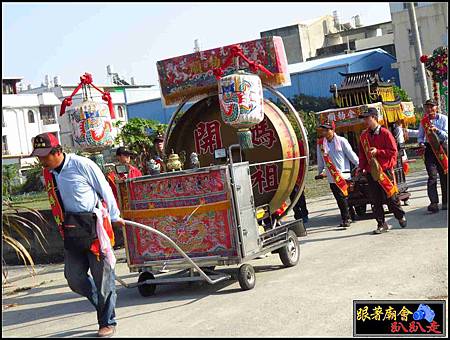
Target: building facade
{"points": [[302, 40], [23, 117], [358, 39], [326, 37], [432, 20]]}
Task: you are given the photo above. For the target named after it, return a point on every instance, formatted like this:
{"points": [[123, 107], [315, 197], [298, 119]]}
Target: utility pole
{"points": [[418, 48]]}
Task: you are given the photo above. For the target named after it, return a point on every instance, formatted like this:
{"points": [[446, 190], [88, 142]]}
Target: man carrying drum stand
{"points": [[433, 133], [377, 157], [334, 154], [83, 206]]}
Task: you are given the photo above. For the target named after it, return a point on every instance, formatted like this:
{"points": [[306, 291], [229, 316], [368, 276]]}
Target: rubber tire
{"points": [[286, 255], [246, 277], [361, 210], [146, 290]]}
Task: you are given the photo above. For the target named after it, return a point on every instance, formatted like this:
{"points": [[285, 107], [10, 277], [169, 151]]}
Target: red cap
{"points": [[44, 143]]}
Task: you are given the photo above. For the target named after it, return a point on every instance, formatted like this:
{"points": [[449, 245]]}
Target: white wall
{"points": [[374, 42], [19, 132], [433, 24], [312, 36]]}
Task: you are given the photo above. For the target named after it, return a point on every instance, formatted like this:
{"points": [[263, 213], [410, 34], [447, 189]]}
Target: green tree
{"points": [[138, 134], [33, 181], [401, 94], [10, 173]]}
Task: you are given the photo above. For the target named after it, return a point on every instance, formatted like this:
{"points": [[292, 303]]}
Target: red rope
{"points": [[86, 80], [236, 51]]}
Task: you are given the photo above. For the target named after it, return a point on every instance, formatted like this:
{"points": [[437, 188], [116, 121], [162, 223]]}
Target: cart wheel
{"points": [[290, 253], [146, 289], [246, 277], [361, 209]]}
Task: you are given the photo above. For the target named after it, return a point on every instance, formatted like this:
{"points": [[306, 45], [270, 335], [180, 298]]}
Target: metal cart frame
{"points": [[280, 238]]}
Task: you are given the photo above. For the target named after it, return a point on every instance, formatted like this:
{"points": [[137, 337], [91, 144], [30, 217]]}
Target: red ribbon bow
{"points": [[236, 51], [86, 80]]}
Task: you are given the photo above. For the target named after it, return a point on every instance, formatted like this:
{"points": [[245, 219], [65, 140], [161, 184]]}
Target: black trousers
{"points": [[433, 169], [299, 209], [342, 202], [378, 196]]}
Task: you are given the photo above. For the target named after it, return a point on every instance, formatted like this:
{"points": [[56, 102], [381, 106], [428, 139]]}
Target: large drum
{"points": [[202, 130]]}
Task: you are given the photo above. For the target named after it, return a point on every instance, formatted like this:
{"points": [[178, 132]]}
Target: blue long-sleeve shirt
{"points": [[440, 122], [79, 181], [340, 159]]}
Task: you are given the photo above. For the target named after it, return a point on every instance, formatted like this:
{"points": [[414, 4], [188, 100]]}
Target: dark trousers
{"points": [[433, 169], [342, 202], [99, 289], [299, 209], [378, 196]]}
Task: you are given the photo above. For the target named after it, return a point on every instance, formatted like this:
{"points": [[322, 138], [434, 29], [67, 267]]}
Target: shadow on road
{"points": [[76, 334], [66, 309]]}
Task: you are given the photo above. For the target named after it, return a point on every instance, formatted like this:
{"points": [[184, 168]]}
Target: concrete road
{"points": [[312, 299]]}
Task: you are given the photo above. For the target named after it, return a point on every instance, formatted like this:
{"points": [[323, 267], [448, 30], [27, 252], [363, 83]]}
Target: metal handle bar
{"points": [[167, 238]]}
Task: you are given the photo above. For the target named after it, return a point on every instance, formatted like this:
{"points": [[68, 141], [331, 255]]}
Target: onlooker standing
{"points": [[433, 131], [334, 154], [378, 156], [160, 152], [124, 158]]}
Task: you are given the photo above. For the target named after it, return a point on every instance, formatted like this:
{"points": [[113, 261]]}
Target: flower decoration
{"points": [[437, 63]]}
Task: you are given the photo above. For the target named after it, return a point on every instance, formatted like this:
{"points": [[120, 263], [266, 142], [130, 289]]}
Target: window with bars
{"points": [[31, 117], [5, 150], [120, 111], [47, 115]]}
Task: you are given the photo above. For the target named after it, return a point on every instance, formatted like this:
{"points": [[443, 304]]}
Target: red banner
{"points": [[387, 185], [438, 151], [340, 181]]}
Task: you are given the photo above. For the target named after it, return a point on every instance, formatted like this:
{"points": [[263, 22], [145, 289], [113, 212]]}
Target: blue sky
{"points": [[68, 39]]}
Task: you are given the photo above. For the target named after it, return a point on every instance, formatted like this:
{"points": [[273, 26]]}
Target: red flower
{"points": [[424, 58]]}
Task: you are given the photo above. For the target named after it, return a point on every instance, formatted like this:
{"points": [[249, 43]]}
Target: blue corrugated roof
{"points": [[333, 61]]}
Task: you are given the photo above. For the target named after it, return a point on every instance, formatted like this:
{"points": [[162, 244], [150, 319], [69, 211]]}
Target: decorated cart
{"points": [[224, 202], [357, 92]]}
